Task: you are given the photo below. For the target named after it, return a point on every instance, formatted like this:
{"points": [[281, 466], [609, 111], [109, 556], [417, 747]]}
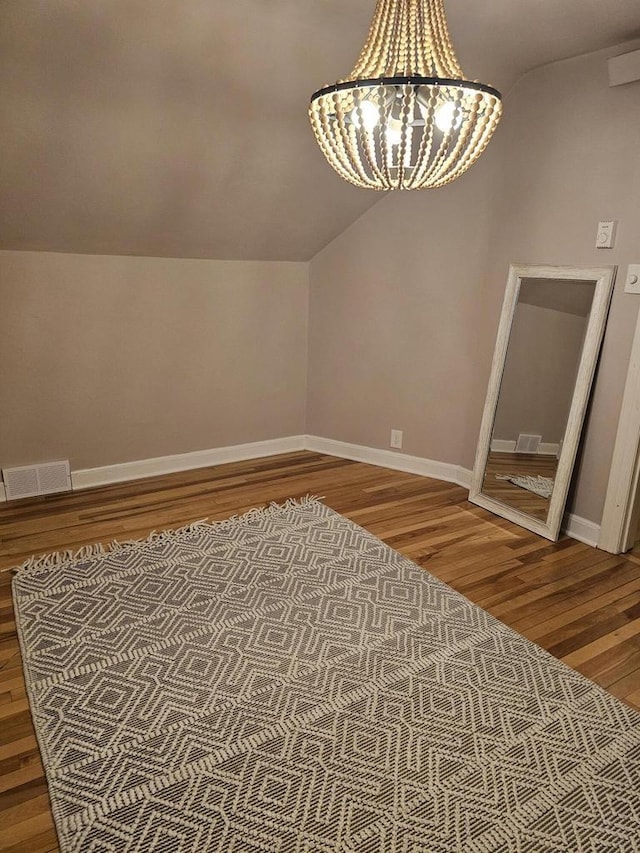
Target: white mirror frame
{"points": [[603, 278]]}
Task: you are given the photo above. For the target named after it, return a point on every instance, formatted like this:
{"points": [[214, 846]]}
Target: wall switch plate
{"points": [[632, 281], [396, 439], [606, 234]]}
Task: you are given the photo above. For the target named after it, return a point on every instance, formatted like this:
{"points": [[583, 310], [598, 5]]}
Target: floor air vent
{"points": [[528, 443], [30, 480]]}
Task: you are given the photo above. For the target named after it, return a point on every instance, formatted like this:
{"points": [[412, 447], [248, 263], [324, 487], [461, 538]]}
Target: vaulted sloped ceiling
{"points": [[179, 127]]}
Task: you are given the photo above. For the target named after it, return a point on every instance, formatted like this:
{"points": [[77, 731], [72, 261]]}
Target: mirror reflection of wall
{"points": [[543, 355]]}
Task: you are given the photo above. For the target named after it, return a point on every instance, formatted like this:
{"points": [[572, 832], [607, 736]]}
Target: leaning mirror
{"points": [[549, 337]]}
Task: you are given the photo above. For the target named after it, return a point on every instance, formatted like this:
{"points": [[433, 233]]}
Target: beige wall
{"points": [[392, 319], [405, 304], [539, 373], [108, 359]]}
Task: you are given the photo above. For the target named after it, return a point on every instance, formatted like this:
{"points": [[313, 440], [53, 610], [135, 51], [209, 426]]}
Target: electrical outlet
{"points": [[396, 439]]}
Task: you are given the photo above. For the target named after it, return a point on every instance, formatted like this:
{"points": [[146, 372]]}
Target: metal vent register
{"points": [[528, 443], [29, 480]]}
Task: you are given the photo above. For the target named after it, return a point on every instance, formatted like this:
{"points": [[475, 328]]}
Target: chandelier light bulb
{"points": [[370, 115], [446, 118], [406, 117], [394, 132]]}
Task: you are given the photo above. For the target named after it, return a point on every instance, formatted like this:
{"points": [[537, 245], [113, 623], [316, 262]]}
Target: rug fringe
{"points": [[57, 559]]}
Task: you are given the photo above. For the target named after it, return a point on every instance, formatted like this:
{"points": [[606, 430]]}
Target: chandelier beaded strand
{"points": [[405, 118]]}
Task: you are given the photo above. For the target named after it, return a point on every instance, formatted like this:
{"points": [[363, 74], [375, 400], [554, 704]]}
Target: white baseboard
{"points": [[503, 445], [548, 448], [89, 477], [390, 459], [122, 472], [581, 529], [578, 528], [573, 525]]}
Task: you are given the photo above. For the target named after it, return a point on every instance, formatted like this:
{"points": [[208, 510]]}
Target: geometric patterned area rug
{"points": [[284, 681]]}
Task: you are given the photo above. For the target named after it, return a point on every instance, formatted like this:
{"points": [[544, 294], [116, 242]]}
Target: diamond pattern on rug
{"points": [[287, 682]]}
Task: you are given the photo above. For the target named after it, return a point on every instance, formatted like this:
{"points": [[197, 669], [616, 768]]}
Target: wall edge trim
{"points": [[87, 478], [581, 529], [447, 471], [573, 525]]}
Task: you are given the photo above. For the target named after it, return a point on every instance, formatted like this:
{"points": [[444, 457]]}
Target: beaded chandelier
{"points": [[406, 118]]}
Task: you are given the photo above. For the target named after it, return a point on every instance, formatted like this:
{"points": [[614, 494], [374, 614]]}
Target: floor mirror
{"points": [[549, 338]]}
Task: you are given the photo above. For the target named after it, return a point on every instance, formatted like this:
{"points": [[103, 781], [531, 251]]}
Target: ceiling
{"points": [[179, 128]]}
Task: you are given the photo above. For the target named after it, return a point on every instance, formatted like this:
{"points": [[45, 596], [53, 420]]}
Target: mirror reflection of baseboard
{"points": [[550, 333]]}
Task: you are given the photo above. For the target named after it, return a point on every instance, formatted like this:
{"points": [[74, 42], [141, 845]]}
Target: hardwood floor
{"points": [[581, 604]]}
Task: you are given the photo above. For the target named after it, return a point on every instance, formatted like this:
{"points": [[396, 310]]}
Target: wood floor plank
{"points": [[626, 685], [25, 812], [579, 603], [45, 842], [23, 831], [630, 631], [18, 746], [19, 777]]}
